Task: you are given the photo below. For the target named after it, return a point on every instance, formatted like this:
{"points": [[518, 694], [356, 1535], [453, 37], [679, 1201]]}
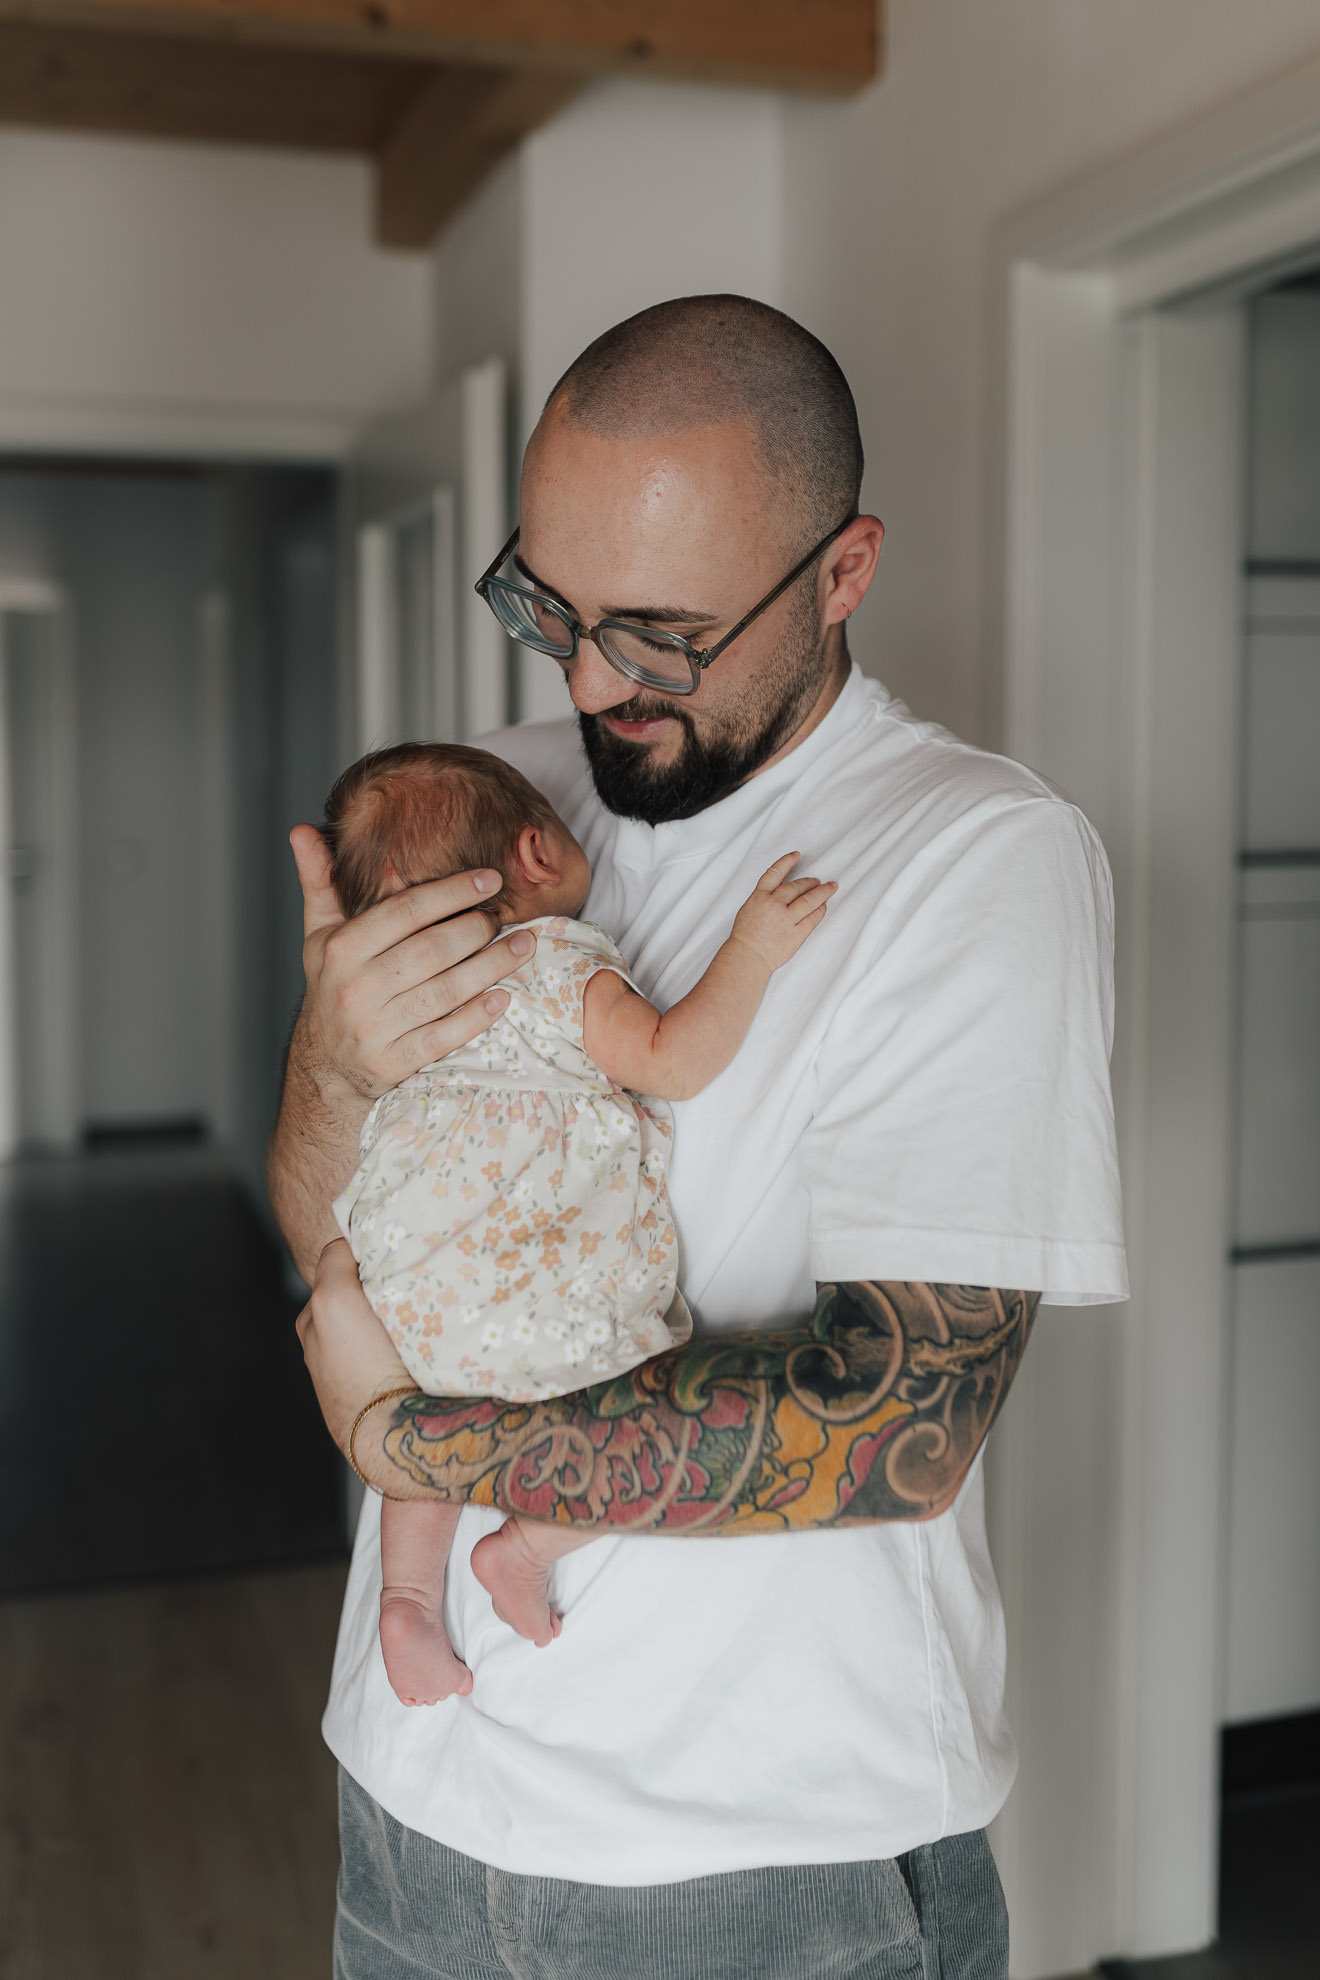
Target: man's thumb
{"points": [[312, 857]]}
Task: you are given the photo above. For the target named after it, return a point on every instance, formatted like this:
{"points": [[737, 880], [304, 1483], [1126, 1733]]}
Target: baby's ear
{"points": [[535, 856]]}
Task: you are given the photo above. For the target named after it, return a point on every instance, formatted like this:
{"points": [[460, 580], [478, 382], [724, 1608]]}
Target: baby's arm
{"points": [[673, 1056]]}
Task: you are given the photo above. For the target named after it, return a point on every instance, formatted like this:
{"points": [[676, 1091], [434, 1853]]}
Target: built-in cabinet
{"points": [[1273, 1636]]}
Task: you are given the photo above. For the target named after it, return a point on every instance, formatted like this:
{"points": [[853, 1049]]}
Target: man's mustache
{"points": [[641, 709]]}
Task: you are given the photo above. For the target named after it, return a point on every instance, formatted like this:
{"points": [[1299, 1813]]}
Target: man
{"points": [[774, 1756]]}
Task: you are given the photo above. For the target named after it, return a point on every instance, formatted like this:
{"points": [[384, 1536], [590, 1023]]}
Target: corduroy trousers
{"points": [[411, 1909]]}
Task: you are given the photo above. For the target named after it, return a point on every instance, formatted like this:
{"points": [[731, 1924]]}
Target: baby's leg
{"points": [[514, 1566], [415, 1539]]}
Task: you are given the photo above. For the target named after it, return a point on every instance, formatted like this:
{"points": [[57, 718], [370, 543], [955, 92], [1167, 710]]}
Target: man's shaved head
{"points": [[711, 360], [687, 461]]}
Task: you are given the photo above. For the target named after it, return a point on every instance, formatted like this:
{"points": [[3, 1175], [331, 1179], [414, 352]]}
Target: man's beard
{"points": [[704, 770]]}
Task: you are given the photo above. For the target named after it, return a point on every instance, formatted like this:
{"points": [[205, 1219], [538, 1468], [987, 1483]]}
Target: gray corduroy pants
{"points": [[410, 1909]]}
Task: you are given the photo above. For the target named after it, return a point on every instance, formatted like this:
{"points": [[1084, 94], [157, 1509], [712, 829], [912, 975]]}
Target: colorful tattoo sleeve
{"points": [[874, 1410]]}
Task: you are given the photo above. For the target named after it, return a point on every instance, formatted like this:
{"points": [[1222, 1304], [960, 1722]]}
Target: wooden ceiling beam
{"points": [[56, 78], [823, 45], [459, 126]]}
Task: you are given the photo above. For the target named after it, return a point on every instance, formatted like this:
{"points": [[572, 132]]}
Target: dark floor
{"points": [[155, 1416], [1269, 1908]]}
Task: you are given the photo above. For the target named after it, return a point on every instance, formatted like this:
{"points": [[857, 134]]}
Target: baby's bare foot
{"points": [[418, 1660], [516, 1581]]}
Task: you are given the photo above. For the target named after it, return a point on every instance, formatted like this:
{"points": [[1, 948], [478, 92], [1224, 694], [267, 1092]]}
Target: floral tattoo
{"points": [[873, 1411]]}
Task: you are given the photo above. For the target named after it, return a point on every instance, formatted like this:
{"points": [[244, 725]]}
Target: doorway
{"points": [[1126, 303], [39, 909], [170, 677]]}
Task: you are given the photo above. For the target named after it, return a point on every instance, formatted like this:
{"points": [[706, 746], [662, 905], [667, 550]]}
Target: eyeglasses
{"points": [[645, 654]]}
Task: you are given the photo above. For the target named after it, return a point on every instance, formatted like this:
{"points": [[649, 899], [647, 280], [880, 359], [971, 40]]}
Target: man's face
{"points": [[682, 530]]}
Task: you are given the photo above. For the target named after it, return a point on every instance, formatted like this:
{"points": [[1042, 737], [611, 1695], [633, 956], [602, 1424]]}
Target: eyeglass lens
{"points": [[538, 622], [654, 662], [531, 618]]}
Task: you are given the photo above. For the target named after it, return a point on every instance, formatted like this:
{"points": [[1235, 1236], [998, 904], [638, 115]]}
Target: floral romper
{"points": [[509, 1215]]}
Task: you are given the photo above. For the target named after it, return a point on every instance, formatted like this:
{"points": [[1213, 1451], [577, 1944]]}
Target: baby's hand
{"points": [[780, 915]]}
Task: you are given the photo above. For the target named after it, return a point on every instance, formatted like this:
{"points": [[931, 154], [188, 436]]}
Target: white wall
{"points": [[641, 191], [195, 295], [478, 275], [891, 203]]}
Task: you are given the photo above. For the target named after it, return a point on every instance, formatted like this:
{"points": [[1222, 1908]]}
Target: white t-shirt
{"points": [[924, 1095]]}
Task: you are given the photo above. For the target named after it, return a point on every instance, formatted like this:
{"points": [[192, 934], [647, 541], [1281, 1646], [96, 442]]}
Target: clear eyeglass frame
{"points": [[646, 654]]}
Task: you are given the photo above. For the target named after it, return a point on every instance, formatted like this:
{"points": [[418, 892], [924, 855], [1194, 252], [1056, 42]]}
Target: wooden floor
{"points": [[166, 1804]]}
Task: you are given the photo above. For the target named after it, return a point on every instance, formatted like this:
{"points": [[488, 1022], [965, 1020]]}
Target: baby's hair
{"points": [[422, 811]]}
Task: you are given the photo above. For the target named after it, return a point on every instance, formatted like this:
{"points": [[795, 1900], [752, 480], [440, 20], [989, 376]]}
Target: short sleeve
{"points": [[963, 1129]]}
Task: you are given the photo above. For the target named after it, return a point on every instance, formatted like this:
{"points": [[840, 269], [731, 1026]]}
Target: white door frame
{"points": [[448, 455], [218, 803], [58, 1086], [1119, 458], [379, 659]]}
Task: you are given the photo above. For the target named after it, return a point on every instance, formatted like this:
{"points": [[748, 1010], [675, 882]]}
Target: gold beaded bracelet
{"points": [[389, 1395]]}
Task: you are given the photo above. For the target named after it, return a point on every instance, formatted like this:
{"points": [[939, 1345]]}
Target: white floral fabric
{"points": [[509, 1214]]}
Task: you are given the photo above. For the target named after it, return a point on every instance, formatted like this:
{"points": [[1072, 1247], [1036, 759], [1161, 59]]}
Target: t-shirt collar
{"points": [[682, 838]]}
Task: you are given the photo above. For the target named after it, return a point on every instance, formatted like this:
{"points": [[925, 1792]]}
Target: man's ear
{"points": [[849, 567], [534, 855]]}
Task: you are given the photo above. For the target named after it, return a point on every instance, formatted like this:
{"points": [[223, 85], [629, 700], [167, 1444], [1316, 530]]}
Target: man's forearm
{"points": [[873, 1410], [311, 1155]]}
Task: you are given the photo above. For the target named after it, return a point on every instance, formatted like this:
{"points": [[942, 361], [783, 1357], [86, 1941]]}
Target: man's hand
{"points": [[388, 992], [778, 917], [401, 985], [349, 1356]]}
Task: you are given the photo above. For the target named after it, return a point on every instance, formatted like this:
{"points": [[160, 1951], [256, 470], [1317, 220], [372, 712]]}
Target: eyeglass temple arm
{"points": [[703, 660], [489, 572]]}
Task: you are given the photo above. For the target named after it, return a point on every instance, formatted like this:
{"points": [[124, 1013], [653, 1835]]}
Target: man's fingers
{"points": [[435, 1041], [447, 989], [435, 952], [312, 858], [772, 876], [391, 921]]}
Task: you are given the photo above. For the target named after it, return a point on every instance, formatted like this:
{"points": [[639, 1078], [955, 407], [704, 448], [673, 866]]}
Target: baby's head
{"points": [[420, 811]]}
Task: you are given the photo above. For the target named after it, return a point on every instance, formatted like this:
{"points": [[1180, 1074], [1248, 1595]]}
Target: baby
{"points": [[508, 1214]]}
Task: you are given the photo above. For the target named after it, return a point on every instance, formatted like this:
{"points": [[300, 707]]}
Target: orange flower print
{"points": [[493, 1195]]}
